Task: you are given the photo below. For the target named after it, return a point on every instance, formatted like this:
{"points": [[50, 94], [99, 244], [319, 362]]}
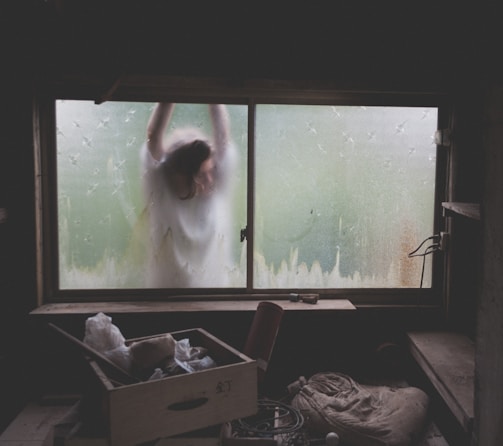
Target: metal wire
{"points": [[427, 251], [272, 418]]}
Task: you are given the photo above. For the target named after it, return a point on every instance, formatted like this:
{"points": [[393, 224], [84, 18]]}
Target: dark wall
{"points": [[489, 363], [367, 44], [17, 243]]}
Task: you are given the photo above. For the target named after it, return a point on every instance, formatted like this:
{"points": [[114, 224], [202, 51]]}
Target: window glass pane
{"points": [[343, 194], [115, 232]]}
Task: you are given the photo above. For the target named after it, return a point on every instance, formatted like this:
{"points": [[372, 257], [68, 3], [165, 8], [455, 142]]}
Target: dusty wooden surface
{"points": [[33, 426], [187, 306], [448, 359]]}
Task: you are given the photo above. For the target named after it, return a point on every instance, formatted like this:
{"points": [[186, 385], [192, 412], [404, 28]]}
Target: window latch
{"points": [[443, 137], [243, 234]]}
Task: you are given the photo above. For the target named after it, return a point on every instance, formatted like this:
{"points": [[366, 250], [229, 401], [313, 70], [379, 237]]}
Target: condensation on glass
{"points": [[343, 194], [104, 222]]}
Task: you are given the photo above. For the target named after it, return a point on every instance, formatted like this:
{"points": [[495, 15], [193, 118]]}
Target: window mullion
{"points": [[250, 232]]}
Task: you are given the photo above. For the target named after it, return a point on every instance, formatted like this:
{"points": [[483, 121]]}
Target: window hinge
{"points": [[443, 137]]}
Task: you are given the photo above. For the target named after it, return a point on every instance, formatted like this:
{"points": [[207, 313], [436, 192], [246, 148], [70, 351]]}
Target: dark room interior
{"points": [[446, 340]]}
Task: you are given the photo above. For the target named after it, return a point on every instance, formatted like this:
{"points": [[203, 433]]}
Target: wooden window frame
{"points": [[138, 88]]}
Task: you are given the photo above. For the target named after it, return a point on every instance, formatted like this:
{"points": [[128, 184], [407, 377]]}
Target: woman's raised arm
{"points": [[156, 127], [221, 127]]}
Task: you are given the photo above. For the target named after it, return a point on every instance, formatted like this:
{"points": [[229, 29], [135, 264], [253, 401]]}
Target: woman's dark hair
{"points": [[187, 160]]}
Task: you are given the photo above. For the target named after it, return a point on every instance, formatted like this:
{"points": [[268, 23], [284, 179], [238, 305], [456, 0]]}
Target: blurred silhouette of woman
{"points": [[187, 192]]}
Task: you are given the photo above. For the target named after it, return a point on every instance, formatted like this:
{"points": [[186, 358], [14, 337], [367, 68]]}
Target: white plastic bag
{"points": [[192, 359], [106, 338], [101, 334]]}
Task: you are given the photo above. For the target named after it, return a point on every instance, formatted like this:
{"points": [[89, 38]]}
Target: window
{"points": [[104, 219], [323, 195], [343, 194]]}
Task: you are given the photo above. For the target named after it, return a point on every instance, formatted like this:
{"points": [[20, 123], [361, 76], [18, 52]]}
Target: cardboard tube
{"points": [[262, 335]]}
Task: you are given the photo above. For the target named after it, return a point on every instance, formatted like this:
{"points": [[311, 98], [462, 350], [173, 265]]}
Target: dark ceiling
{"points": [[388, 41]]}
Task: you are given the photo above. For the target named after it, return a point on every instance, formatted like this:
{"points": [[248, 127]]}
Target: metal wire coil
{"points": [[272, 418]]}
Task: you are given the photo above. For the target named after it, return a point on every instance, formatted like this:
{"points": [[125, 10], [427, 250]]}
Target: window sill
{"points": [[325, 305]]}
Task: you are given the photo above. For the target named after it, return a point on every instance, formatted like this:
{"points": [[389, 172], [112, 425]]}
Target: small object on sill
{"points": [[306, 298], [294, 297], [309, 298]]}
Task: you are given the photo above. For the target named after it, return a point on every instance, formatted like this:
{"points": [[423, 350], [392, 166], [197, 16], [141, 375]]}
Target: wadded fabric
{"points": [[361, 414]]}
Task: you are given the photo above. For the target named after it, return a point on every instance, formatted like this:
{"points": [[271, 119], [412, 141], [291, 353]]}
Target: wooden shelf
{"points": [[448, 360], [470, 210]]}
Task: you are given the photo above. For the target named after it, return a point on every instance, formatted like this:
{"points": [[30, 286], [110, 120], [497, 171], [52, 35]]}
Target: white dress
{"points": [[190, 240]]}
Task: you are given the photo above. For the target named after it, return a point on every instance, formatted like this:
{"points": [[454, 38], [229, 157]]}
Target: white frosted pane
{"points": [[343, 194], [102, 225]]}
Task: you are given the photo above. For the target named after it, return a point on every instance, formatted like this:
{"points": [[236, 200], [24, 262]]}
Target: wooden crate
{"points": [[144, 411]]}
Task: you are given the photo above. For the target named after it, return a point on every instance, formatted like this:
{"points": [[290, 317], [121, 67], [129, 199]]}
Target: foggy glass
{"points": [[102, 222], [343, 194]]}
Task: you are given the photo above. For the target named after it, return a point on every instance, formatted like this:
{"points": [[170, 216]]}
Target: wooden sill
{"points": [[325, 305], [448, 360]]}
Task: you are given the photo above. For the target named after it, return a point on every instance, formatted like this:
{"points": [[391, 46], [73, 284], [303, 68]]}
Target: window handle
{"points": [[243, 234]]}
